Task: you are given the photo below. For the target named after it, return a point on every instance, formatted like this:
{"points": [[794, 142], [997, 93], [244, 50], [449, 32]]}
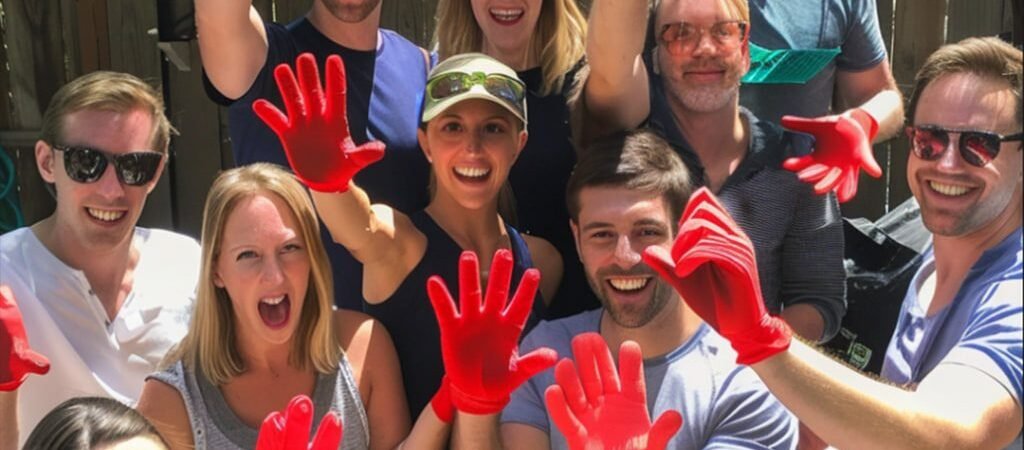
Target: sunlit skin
{"points": [[96, 217], [705, 78], [984, 199], [508, 27], [262, 258], [471, 147], [615, 226]]}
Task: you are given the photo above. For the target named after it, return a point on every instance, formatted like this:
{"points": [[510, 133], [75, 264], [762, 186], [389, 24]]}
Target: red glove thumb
{"points": [[19, 359], [663, 429]]}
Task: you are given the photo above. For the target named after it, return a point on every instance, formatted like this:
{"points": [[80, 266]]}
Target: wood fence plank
{"points": [[414, 20], [974, 18], [286, 11]]}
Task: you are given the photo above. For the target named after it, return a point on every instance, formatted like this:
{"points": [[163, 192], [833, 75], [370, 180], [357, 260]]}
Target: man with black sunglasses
{"points": [[102, 298], [687, 89], [955, 357]]}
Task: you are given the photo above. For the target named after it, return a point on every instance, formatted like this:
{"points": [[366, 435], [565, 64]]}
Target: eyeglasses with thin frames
{"points": [[682, 37], [977, 147]]}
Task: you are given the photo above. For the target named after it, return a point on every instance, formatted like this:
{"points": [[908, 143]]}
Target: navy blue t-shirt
{"points": [[384, 88], [539, 178]]}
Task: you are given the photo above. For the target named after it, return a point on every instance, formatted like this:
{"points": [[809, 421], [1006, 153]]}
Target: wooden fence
{"points": [[45, 43]]}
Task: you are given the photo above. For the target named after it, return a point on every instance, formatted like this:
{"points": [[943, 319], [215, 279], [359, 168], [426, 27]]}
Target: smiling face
{"points": [[507, 27], [706, 77], [264, 267], [100, 215], [350, 11], [472, 146], [957, 198], [615, 225]]}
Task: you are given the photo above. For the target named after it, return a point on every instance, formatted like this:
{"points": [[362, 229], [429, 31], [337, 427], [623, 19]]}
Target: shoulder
{"points": [[163, 406], [12, 240], [545, 256], [166, 242], [363, 338]]}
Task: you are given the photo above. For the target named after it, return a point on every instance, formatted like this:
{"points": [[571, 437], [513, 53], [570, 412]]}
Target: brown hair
{"points": [[637, 160], [83, 423], [107, 91], [987, 57], [211, 339]]}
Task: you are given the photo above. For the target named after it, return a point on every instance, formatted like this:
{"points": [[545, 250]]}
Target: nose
{"points": [[950, 159], [476, 142], [108, 185], [271, 272], [625, 255], [704, 44]]}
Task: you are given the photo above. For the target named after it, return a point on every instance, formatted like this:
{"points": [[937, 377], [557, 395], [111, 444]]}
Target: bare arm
{"points": [[165, 409], [9, 419], [863, 413], [616, 90], [547, 259], [484, 432], [382, 238], [805, 320], [873, 90], [232, 44]]}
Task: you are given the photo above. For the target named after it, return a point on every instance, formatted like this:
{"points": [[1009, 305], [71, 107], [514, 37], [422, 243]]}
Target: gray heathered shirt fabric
{"points": [[216, 427], [797, 235]]}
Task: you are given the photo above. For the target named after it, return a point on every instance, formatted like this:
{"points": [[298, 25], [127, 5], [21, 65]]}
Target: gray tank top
{"points": [[215, 426]]}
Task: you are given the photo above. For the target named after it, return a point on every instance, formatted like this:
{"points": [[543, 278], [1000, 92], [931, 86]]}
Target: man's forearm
{"points": [[472, 431], [886, 107], [9, 420], [805, 320]]}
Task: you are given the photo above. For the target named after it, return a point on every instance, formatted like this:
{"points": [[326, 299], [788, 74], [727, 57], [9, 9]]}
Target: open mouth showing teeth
{"points": [[506, 15], [951, 190], [629, 284], [275, 311], [105, 215], [472, 172]]}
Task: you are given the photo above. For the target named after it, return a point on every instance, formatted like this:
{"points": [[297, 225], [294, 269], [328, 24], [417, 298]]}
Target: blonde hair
{"points": [[107, 91], [211, 338], [558, 42]]}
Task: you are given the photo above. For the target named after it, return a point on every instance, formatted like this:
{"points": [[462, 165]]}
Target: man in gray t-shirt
{"points": [[625, 195]]}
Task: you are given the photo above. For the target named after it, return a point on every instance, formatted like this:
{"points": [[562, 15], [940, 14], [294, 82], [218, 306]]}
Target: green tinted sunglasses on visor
{"points": [[509, 90]]}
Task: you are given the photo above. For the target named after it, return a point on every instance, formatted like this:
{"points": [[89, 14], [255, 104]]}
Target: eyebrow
{"points": [[641, 222]]}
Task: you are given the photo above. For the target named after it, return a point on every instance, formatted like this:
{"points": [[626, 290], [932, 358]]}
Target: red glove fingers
{"points": [[842, 148], [480, 345], [290, 429], [596, 408], [315, 133], [18, 359]]}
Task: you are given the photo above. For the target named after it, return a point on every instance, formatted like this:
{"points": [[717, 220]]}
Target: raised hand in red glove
{"points": [[480, 345], [842, 147], [595, 408], [712, 266], [290, 430], [18, 359], [315, 133]]}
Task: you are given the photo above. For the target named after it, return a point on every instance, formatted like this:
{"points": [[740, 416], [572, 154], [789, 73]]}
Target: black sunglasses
{"points": [[86, 165], [978, 148]]}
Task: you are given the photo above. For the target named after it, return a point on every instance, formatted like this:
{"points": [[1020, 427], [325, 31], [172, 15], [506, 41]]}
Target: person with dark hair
{"points": [[953, 369], [94, 423], [625, 195], [101, 297], [688, 91]]}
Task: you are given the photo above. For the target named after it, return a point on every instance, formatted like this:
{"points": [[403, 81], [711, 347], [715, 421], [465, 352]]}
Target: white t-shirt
{"points": [[89, 355]]}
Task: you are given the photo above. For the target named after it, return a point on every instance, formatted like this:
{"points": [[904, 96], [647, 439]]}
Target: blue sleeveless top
{"points": [[409, 316], [384, 90]]}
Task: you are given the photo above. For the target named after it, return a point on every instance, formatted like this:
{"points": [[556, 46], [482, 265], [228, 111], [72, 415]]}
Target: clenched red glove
{"points": [[480, 346], [842, 147], [595, 408], [712, 266], [315, 133], [290, 430], [18, 358]]}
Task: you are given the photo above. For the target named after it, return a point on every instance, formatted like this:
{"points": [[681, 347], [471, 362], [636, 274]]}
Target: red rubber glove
{"points": [[290, 430], [842, 147], [480, 346], [20, 360], [595, 411], [712, 266], [315, 133]]}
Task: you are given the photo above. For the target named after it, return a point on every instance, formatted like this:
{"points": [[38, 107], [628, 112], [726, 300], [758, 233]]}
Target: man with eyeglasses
{"points": [[385, 79], [688, 91], [100, 297], [955, 357]]}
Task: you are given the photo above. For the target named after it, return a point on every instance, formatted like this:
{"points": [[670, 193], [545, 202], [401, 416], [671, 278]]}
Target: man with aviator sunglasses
{"points": [[954, 366], [100, 297], [687, 90]]}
